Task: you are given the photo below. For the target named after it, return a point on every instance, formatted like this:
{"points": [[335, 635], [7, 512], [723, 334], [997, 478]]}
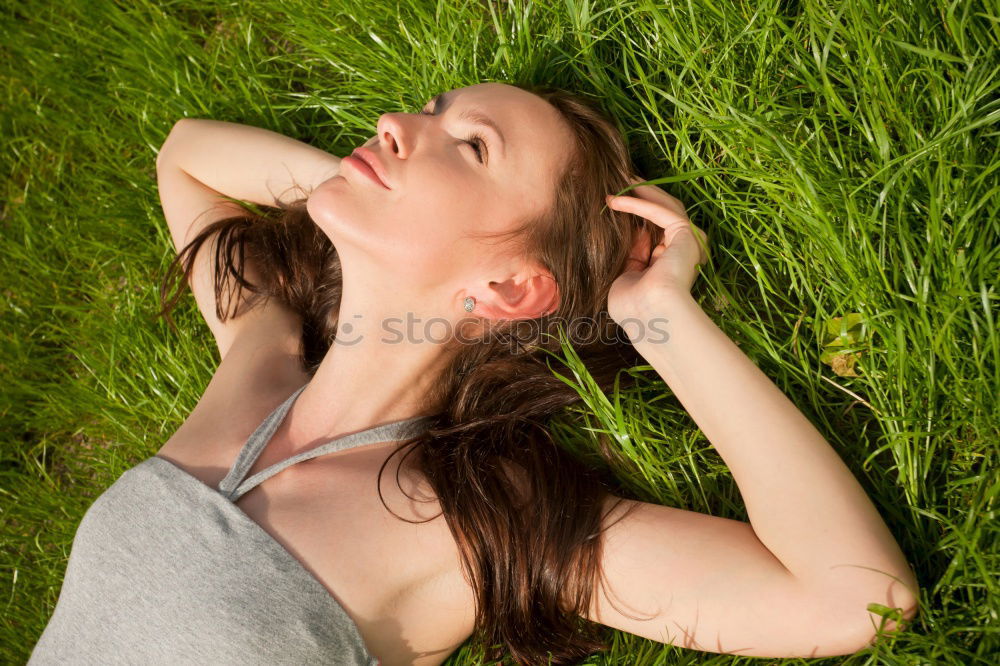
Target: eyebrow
{"points": [[476, 116]]}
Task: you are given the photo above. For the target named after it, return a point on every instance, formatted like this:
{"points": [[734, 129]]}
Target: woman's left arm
{"points": [[803, 502]]}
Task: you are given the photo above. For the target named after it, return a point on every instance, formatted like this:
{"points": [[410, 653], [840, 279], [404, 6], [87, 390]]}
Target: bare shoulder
{"points": [[260, 369]]}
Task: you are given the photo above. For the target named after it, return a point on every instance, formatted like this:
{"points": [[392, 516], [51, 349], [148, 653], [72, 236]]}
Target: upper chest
{"points": [[386, 564]]}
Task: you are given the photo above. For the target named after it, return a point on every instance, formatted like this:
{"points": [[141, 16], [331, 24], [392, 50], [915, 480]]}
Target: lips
{"points": [[369, 158]]}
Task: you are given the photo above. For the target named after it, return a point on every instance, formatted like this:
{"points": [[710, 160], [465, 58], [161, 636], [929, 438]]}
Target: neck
{"points": [[380, 369]]}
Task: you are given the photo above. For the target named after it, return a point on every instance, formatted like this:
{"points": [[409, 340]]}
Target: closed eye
{"points": [[475, 140]]}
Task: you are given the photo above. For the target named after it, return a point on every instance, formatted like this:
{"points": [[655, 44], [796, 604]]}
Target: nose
{"points": [[390, 131]]}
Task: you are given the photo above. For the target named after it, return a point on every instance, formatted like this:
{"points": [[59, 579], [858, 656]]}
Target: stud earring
{"points": [[470, 303]]}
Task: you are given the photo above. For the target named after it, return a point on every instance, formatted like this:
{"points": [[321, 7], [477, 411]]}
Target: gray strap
{"points": [[255, 444], [387, 432], [233, 486]]}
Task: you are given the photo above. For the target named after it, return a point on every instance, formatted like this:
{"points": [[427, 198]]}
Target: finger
{"points": [[681, 250], [693, 238], [657, 193], [657, 213], [702, 241], [683, 238]]}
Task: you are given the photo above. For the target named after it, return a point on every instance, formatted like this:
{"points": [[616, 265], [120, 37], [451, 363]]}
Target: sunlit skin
{"points": [[817, 551], [411, 251]]}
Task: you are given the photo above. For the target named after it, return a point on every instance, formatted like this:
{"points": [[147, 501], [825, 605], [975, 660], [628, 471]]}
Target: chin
{"points": [[321, 205], [333, 211]]}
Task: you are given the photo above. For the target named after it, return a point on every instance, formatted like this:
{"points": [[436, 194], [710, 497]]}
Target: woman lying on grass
{"points": [[422, 282]]}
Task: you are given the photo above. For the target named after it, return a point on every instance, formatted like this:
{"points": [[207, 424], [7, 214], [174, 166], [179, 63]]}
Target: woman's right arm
{"points": [[200, 160], [245, 162]]}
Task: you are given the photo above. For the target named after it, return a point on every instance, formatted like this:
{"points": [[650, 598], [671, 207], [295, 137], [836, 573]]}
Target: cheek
{"points": [[434, 249], [428, 245]]}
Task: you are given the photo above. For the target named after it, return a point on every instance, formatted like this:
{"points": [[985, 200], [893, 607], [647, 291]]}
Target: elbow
{"points": [[895, 618], [160, 160], [883, 620], [162, 154], [856, 617]]}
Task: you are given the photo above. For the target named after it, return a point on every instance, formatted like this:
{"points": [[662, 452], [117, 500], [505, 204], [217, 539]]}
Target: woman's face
{"points": [[442, 190]]}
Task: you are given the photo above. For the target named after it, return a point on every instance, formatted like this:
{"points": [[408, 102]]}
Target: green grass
{"points": [[842, 157]]}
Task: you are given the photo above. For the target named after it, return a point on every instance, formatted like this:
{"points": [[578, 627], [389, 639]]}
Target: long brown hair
{"points": [[525, 512]]}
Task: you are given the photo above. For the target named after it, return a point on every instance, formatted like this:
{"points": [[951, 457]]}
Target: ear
{"points": [[523, 296]]}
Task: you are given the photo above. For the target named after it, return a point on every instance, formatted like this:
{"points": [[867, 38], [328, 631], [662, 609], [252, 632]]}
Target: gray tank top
{"points": [[165, 569]]}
